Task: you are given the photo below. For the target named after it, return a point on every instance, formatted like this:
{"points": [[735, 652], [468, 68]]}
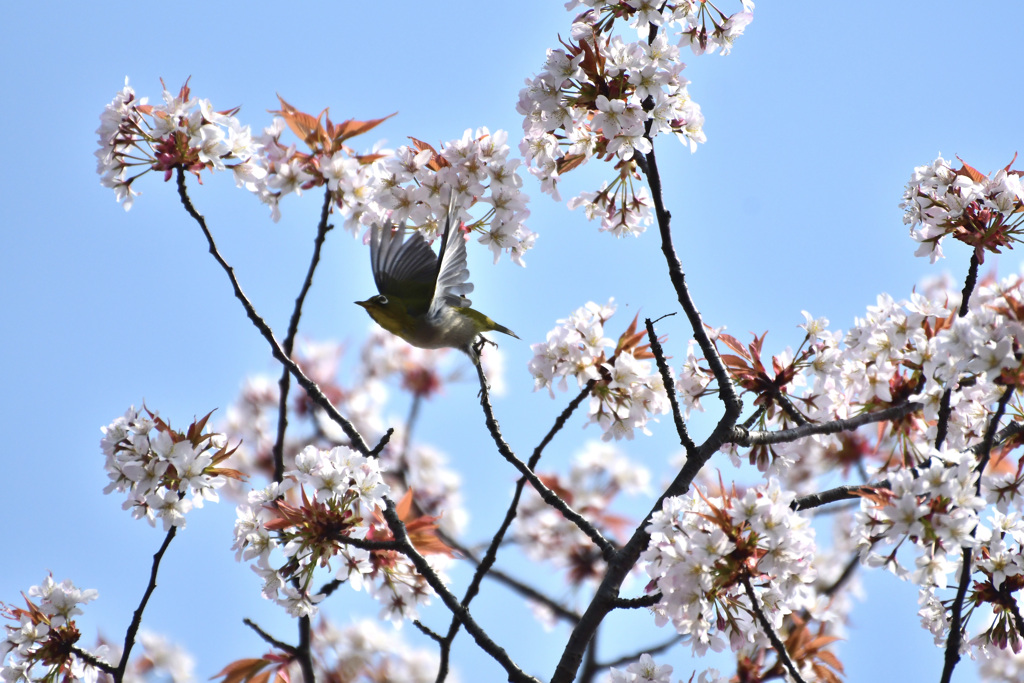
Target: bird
{"points": [[422, 297]]}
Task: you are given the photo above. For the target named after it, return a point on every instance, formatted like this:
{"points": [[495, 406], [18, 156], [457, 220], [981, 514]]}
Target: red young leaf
{"points": [[351, 128]]}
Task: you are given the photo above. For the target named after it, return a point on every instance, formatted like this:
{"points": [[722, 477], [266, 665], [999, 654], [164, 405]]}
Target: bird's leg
{"points": [[477, 347], [481, 342]]}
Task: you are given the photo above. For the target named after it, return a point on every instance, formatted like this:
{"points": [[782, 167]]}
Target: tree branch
{"points": [[309, 385], [515, 584], [491, 555], [284, 383], [133, 628], [549, 496], [777, 643], [653, 650], [670, 387], [952, 656], [269, 639], [515, 674], [743, 437]]}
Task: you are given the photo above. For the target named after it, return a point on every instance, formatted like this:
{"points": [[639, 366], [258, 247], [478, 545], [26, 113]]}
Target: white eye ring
{"points": [[382, 300]]}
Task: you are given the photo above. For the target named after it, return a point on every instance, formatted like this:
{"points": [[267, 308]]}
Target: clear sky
{"points": [[814, 124]]}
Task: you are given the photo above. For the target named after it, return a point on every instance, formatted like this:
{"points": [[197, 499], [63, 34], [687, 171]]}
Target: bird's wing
{"points": [[405, 269], [452, 283]]}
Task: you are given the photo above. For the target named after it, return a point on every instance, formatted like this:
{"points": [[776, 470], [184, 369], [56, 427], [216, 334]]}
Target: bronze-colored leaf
{"points": [[351, 128]]}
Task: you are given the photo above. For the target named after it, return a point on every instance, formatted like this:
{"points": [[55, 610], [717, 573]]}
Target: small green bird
{"points": [[422, 296]]}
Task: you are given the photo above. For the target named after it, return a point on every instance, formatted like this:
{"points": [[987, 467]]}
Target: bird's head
{"points": [[389, 313]]}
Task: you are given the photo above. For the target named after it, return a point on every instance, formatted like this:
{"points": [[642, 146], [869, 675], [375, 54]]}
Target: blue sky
{"points": [[814, 124]]}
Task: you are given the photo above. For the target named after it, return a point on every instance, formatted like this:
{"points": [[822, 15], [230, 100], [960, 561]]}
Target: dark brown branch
{"points": [[653, 650], [969, 282], [269, 639], [726, 390], [546, 494], [304, 653], [789, 408], [315, 394], [94, 661], [814, 500], [515, 584], [945, 404], [620, 565], [133, 628], [649, 600], [670, 387], [952, 656], [284, 384], [744, 437], [780, 648], [484, 641], [428, 632], [491, 555]]}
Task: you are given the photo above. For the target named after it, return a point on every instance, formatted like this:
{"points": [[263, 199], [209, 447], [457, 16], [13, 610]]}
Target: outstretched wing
{"points": [[452, 273], [405, 269]]}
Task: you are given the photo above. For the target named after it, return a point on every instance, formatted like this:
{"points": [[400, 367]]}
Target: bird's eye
{"points": [[381, 299]]}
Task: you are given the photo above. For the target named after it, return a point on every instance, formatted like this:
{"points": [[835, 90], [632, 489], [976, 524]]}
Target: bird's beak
{"points": [[361, 303]]}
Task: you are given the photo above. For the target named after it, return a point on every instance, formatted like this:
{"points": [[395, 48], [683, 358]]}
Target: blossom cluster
{"points": [[328, 509], [598, 474], [984, 212], [405, 463], [627, 389], [167, 473], [45, 634], [603, 96], [936, 511], [182, 132], [898, 352], [923, 505], [410, 184], [704, 547]]}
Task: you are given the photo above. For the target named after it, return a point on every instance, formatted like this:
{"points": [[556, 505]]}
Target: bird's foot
{"points": [[481, 342]]}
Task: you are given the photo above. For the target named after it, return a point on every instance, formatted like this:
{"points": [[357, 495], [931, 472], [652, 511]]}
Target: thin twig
{"points": [[653, 650], [428, 632], [744, 437], [515, 584], [269, 639], [133, 628], [284, 384], [549, 496], [670, 387], [315, 394], [491, 555], [515, 674], [952, 656], [780, 648]]}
